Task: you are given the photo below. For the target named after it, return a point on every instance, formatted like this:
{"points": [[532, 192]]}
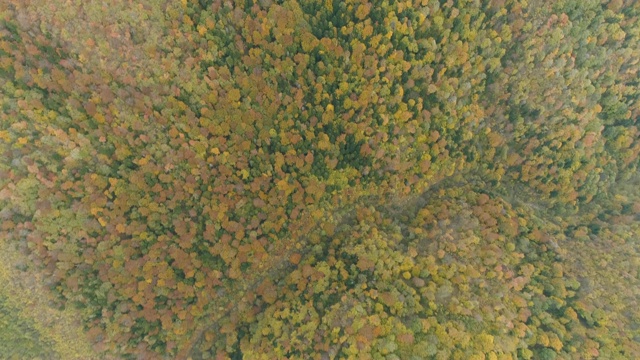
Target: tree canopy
{"points": [[286, 179]]}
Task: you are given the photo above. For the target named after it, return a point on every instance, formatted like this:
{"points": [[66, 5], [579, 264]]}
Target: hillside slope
{"points": [[321, 179]]}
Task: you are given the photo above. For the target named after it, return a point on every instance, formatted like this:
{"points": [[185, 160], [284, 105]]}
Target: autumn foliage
{"points": [[329, 179]]}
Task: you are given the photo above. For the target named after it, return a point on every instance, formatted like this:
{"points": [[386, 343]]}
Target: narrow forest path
{"points": [[299, 243]]}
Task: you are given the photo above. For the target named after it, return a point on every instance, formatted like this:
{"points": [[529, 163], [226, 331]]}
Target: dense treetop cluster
{"points": [[268, 179]]}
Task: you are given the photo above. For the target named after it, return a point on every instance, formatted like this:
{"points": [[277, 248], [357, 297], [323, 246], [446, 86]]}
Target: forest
{"points": [[320, 179]]}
